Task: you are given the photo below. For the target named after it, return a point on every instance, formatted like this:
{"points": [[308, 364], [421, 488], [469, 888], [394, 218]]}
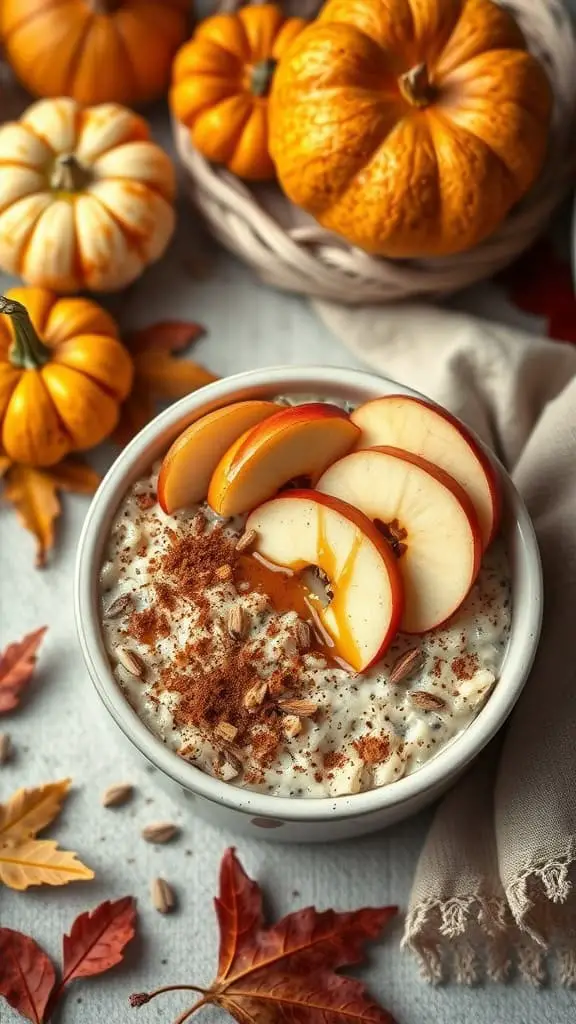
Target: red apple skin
{"points": [[490, 470], [367, 527], [285, 420], [183, 439], [267, 432]]}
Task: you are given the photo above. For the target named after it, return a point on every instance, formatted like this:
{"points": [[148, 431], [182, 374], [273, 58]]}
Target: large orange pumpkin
{"points": [[222, 78], [63, 375], [409, 127], [94, 50]]}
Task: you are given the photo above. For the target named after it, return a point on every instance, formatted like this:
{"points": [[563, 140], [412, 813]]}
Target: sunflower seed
{"points": [[427, 701], [130, 661], [255, 695], [5, 747], [162, 894], [117, 794], [292, 726], [405, 665], [298, 706], [238, 622], [246, 541], [120, 605], [226, 732], [159, 832], [303, 635]]}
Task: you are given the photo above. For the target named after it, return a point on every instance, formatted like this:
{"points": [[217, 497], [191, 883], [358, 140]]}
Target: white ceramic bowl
{"points": [[297, 820]]}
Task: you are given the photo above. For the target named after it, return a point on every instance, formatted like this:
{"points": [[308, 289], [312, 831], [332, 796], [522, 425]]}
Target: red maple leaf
{"points": [[17, 663], [286, 972], [97, 939], [96, 943]]}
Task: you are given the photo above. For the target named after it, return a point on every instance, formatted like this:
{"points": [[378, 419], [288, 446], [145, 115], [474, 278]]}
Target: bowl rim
{"points": [[327, 381]]}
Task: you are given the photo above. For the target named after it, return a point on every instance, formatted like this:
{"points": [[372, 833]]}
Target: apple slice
{"points": [[297, 442], [189, 463], [303, 528], [428, 519], [426, 430]]}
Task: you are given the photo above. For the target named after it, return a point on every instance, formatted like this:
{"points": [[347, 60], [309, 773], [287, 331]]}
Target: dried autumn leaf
{"points": [[30, 810], [17, 663], [287, 972], [157, 374], [33, 493], [97, 939], [27, 976], [169, 335], [40, 862]]}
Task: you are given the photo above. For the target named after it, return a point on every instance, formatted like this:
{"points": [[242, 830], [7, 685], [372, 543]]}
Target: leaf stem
{"points": [[188, 1013]]}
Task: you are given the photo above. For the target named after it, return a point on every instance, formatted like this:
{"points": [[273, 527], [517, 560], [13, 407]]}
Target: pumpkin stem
{"points": [[27, 351], [261, 78], [416, 87], [68, 175]]}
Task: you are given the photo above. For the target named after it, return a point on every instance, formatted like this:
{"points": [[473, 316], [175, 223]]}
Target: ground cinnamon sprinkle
{"points": [[148, 626], [214, 671], [373, 749], [333, 759], [465, 666], [145, 501]]}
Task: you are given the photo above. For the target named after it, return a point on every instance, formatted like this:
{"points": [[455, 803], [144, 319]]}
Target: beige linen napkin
{"points": [[494, 884]]}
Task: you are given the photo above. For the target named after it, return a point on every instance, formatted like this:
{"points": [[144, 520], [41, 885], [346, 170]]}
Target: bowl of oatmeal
{"points": [[309, 597]]}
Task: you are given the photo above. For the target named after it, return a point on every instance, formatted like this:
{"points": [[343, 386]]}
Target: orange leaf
{"points": [[169, 335], [287, 972], [17, 663], [135, 413], [165, 377], [33, 494], [30, 810], [74, 475], [40, 862]]}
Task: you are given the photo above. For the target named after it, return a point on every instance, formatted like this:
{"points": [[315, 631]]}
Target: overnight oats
{"points": [[306, 602]]}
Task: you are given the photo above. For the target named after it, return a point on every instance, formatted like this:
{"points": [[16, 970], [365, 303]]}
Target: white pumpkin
{"points": [[86, 199]]}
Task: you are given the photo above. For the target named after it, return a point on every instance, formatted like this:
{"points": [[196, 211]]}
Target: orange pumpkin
{"points": [[94, 50], [222, 78], [409, 127], [63, 375]]}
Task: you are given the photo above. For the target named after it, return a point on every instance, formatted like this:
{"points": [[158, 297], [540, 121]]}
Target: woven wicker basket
{"points": [[289, 250]]}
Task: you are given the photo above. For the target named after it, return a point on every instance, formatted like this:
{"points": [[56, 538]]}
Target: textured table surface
{"points": [[63, 731]]}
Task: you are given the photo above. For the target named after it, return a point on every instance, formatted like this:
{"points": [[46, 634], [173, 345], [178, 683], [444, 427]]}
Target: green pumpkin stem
{"points": [[262, 74], [27, 351]]}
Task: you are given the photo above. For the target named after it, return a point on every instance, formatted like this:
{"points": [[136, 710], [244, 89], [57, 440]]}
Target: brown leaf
{"points": [[169, 335], [40, 862], [157, 375], [136, 412], [27, 976], [97, 939], [33, 493], [30, 810], [287, 972], [17, 663], [75, 476], [165, 377]]}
